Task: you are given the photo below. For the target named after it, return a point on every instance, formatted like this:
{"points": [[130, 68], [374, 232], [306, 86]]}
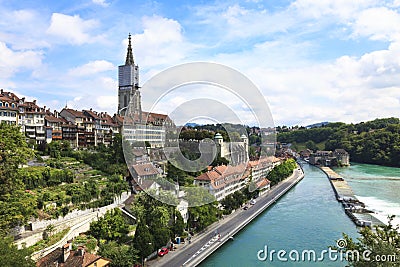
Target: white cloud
{"points": [[341, 9], [378, 24], [161, 43], [23, 29], [101, 3], [13, 61], [91, 68], [73, 29]]}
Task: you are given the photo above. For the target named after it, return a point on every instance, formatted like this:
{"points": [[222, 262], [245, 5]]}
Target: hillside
{"points": [[374, 142]]}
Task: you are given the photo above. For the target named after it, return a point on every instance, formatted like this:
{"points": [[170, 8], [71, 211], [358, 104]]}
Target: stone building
{"points": [[235, 152], [329, 158]]}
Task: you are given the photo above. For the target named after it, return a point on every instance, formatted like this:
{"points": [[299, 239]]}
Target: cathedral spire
{"points": [[129, 54]]}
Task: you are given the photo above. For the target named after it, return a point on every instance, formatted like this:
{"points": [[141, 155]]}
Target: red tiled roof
{"points": [[92, 114], [54, 258], [75, 113], [263, 183], [222, 172], [51, 118], [145, 169]]}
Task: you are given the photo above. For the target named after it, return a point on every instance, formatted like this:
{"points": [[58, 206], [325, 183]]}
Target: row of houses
{"points": [[220, 181], [81, 128]]}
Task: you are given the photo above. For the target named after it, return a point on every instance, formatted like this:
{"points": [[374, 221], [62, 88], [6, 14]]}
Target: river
{"points": [[308, 217]]}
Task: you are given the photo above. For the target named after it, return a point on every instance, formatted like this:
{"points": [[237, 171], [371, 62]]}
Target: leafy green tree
{"points": [[111, 227], [16, 205], [143, 241], [12, 256], [161, 236], [385, 240], [178, 224], [311, 145], [117, 153], [13, 152], [121, 255], [282, 171]]}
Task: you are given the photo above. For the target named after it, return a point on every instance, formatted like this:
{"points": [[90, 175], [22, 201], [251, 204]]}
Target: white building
{"points": [[8, 108]]}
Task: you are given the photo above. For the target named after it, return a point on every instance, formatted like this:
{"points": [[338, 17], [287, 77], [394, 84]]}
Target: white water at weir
{"points": [[382, 208], [378, 187]]}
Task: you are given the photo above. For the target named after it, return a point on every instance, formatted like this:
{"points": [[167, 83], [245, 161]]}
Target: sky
{"points": [[313, 61]]}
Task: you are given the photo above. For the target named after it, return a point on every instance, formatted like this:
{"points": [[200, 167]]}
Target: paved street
{"points": [[226, 227]]}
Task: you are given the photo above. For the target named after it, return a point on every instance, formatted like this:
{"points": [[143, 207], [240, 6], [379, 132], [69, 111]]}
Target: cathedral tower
{"points": [[128, 85]]}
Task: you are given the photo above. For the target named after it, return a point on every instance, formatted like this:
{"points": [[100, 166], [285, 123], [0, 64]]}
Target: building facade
{"points": [[8, 108], [223, 180]]}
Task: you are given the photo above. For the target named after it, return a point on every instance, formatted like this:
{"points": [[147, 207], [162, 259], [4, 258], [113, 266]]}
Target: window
{"points": [[125, 100]]}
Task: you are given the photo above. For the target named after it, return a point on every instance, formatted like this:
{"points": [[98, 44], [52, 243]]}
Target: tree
{"points": [[311, 145], [385, 240], [49, 231], [178, 224], [13, 152], [121, 255], [281, 171], [143, 240], [111, 227], [161, 236], [12, 256]]}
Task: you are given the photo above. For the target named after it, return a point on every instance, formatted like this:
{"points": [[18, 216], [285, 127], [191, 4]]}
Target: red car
{"points": [[162, 252]]}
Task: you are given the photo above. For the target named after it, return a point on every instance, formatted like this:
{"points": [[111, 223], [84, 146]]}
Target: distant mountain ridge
{"points": [[319, 124]]}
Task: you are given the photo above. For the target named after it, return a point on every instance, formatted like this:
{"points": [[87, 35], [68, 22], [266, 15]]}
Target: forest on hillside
{"points": [[374, 142]]}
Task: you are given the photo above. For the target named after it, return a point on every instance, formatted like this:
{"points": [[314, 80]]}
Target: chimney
{"points": [[66, 251], [1, 90], [81, 251], [34, 101]]}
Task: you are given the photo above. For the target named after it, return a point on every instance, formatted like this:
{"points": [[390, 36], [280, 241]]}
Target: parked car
{"points": [[163, 251], [246, 207], [252, 202]]}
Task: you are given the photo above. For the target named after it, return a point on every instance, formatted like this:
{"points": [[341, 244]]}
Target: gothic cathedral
{"points": [[128, 86]]}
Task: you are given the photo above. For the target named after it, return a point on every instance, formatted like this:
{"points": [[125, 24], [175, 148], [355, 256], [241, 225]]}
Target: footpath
{"points": [[206, 242]]}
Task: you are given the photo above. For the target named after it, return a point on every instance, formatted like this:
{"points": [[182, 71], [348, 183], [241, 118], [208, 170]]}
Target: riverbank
{"points": [[204, 244]]}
